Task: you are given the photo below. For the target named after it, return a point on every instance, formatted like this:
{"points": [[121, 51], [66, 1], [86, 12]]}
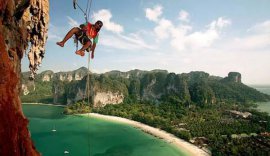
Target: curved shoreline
{"points": [[183, 145]]}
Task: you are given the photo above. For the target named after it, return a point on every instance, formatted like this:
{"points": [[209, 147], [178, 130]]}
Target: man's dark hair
{"points": [[99, 23]]}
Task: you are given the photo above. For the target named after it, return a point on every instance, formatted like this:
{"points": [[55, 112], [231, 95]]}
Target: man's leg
{"points": [[73, 31], [84, 47]]}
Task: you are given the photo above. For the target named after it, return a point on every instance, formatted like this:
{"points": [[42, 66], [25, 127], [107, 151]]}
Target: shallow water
{"points": [[264, 106], [76, 133]]}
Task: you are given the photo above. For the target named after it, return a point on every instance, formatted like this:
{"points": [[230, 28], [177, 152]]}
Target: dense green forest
{"points": [[213, 127]]}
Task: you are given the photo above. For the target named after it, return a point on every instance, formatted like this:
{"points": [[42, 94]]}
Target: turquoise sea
{"points": [[83, 136], [263, 106]]}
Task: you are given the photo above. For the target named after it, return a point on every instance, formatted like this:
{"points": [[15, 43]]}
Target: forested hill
{"points": [[137, 86]]}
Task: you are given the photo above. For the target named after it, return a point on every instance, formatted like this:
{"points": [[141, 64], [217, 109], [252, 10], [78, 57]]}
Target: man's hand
{"points": [[92, 55], [93, 47]]}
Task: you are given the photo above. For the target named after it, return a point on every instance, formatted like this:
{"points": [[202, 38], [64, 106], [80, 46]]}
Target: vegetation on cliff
{"points": [[77, 108], [138, 86]]}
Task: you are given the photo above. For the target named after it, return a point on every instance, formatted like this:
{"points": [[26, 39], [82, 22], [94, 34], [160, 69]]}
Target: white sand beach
{"points": [[184, 146]]}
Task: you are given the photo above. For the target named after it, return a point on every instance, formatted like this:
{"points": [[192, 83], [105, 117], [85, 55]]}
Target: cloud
{"points": [[183, 16], [251, 42], [105, 16], [153, 14], [203, 38], [115, 37], [163, 28], [53, 37], [256, 38], [247, 54], [126, 42], [181, 36], [56, 34], [220, 23], [72, 22], [178, 38], [53, 33], [263, 27]]}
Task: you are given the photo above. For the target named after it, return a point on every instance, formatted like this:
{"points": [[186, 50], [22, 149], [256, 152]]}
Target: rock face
{"points": [[47, 75], [25, 89], [62, 76], [136, 86], [37, 18], [233, 77], [15, 33], [101, 99], [49, 87]]}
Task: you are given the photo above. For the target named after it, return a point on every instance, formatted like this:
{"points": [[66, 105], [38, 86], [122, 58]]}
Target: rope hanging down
{"points": [[86, 16], [87, 10], [87, 88], [86, 13]]}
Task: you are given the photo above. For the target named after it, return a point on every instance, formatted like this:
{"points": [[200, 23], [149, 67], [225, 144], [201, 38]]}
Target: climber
{"points": [[84, 34]]}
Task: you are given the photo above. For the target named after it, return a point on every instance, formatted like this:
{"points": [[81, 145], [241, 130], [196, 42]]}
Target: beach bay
{"points": [[80, 135]]}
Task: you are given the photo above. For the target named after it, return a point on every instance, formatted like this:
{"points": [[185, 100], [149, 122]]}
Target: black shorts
{"points": [[82, 37]]}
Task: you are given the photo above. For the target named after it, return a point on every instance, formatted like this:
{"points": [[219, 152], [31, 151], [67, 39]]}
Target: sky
{"points": [[214, 36]]}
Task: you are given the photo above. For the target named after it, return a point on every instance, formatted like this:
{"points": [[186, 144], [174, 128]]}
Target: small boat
{"points": [[66, 152], [54, 130]]}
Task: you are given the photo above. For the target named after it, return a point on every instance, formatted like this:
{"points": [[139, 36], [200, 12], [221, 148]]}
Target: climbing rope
{"points": [[86, 13], [89, 8], [88, 99], [87, 88]]}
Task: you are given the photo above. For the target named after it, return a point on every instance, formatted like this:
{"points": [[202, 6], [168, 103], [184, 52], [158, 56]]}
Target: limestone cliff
{"points": [[21, 22], [72, 75], [101, 99], [234, 77], [37, 20], [49, 75], [135, 86]]}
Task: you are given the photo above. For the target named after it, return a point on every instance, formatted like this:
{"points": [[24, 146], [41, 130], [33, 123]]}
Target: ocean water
{"points": [[263, 106], [83, 136], [262, 88]]}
